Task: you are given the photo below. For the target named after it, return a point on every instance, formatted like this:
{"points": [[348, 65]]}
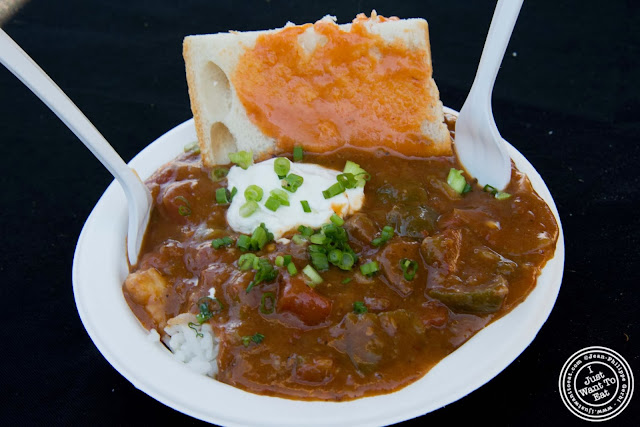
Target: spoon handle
{"points": [[504, 19], [138, 197], [25, 69]]}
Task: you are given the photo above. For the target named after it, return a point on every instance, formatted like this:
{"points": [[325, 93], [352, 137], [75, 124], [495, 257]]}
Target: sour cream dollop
{"points": [[316, 179]]}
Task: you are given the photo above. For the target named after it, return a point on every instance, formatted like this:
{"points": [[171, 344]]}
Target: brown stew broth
{"points": [[315, 346]]}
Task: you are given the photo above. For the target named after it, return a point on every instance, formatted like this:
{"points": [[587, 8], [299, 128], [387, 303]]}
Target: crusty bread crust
{"points": [[221, 120]]}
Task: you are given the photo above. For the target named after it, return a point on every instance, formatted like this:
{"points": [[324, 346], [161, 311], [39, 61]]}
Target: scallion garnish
{"points": [[500, 195], [347, 180], [267, 303], [319, 261], [337, 220], [279, 261], [457, 181], [305, 231], [184, 210], [333, 191], [192, 147], [370, 268], [208, 307], [346, 280], [244, 243], [287, 259], [305, 206], [253, 192], [245, 262], [272, 204], [195, 329], [260, 237], [281, 166], [359, 307], [223, 196], [358, 173], [297, 153], [219, 174], [298, 239], [317, 238], [244, 159], [385, 235], [313, 276], [409, 268], [248, 209], [264, 273], [255, 338], [222, 242], [347, 261], [291, 268], [281, 196], [292, 182]]}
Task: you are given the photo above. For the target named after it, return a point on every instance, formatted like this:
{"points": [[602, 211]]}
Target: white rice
{"points": [[198, 350]]}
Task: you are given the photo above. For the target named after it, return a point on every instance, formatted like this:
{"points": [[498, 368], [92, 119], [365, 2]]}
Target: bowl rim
{"points": [[149, 366]]}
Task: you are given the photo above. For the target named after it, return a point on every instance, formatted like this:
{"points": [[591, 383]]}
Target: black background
{"points": [[566, 97]]}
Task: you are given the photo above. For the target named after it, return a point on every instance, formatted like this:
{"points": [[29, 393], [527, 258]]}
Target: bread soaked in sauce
{"points": [[476, 258]]}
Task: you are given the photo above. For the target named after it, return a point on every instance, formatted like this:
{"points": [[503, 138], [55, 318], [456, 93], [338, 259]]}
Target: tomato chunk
{"points": [[303, 302]]}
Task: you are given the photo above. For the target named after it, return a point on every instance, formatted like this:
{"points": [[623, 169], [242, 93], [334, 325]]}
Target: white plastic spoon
{"points": [[478, 143], [138, 196]]}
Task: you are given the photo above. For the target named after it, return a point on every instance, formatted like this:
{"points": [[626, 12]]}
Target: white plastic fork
{"points": [[138, 196], [478, 143]]}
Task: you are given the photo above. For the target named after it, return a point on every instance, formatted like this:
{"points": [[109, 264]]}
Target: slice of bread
{"points": [[321, 86]]}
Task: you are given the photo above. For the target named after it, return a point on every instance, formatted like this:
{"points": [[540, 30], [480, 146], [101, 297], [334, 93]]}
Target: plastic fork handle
{"points": [[504, 19], [25, 69]]}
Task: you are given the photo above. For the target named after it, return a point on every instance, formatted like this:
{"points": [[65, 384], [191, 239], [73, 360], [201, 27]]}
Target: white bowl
{"points": [[100, 267]]}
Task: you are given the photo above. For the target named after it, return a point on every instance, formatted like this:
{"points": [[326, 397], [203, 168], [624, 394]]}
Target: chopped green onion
{"points": [[272, 203], [333, 191], [281, 166], [297, 153], [298, 239], [287, 259], [184, 210], [279, 261], [337, 220], [305, 206], [501, 195], [208, 308], [345, 281], [313, 276], [244, 159], [359, 307], [456, 180], [267, 303], [219, 174], [317, 248], [409, 268], [223, 196], [248, 209], [490, 189], [255, 338], [291, 268], [347, 261], [319, 261], [222, 242], [281, 196], [259, 238], [233, 192], [192, 147], [335, 256], [467, 188], [244, 243], [360, 174], [193, 326], [370, 268], [317, 238], [305, 231], [385, 235], [264, 273], [245, 262], [292, 182], [347, 180], [253, 192]]}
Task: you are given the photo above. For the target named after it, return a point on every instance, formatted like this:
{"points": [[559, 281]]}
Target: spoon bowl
{"points": [[478, 144], [138, 196]]}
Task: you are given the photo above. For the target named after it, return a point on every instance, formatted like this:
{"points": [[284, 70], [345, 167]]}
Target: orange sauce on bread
{"points": [[354, 89]]}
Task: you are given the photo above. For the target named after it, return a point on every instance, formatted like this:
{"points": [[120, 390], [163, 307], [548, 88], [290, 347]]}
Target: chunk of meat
{"points": [[302, 301], [481, 299], [413, 221], [177, 200], [148, 289], [443, 250], [390, 258], [314, 370], [360, 337], [361, 227]]}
